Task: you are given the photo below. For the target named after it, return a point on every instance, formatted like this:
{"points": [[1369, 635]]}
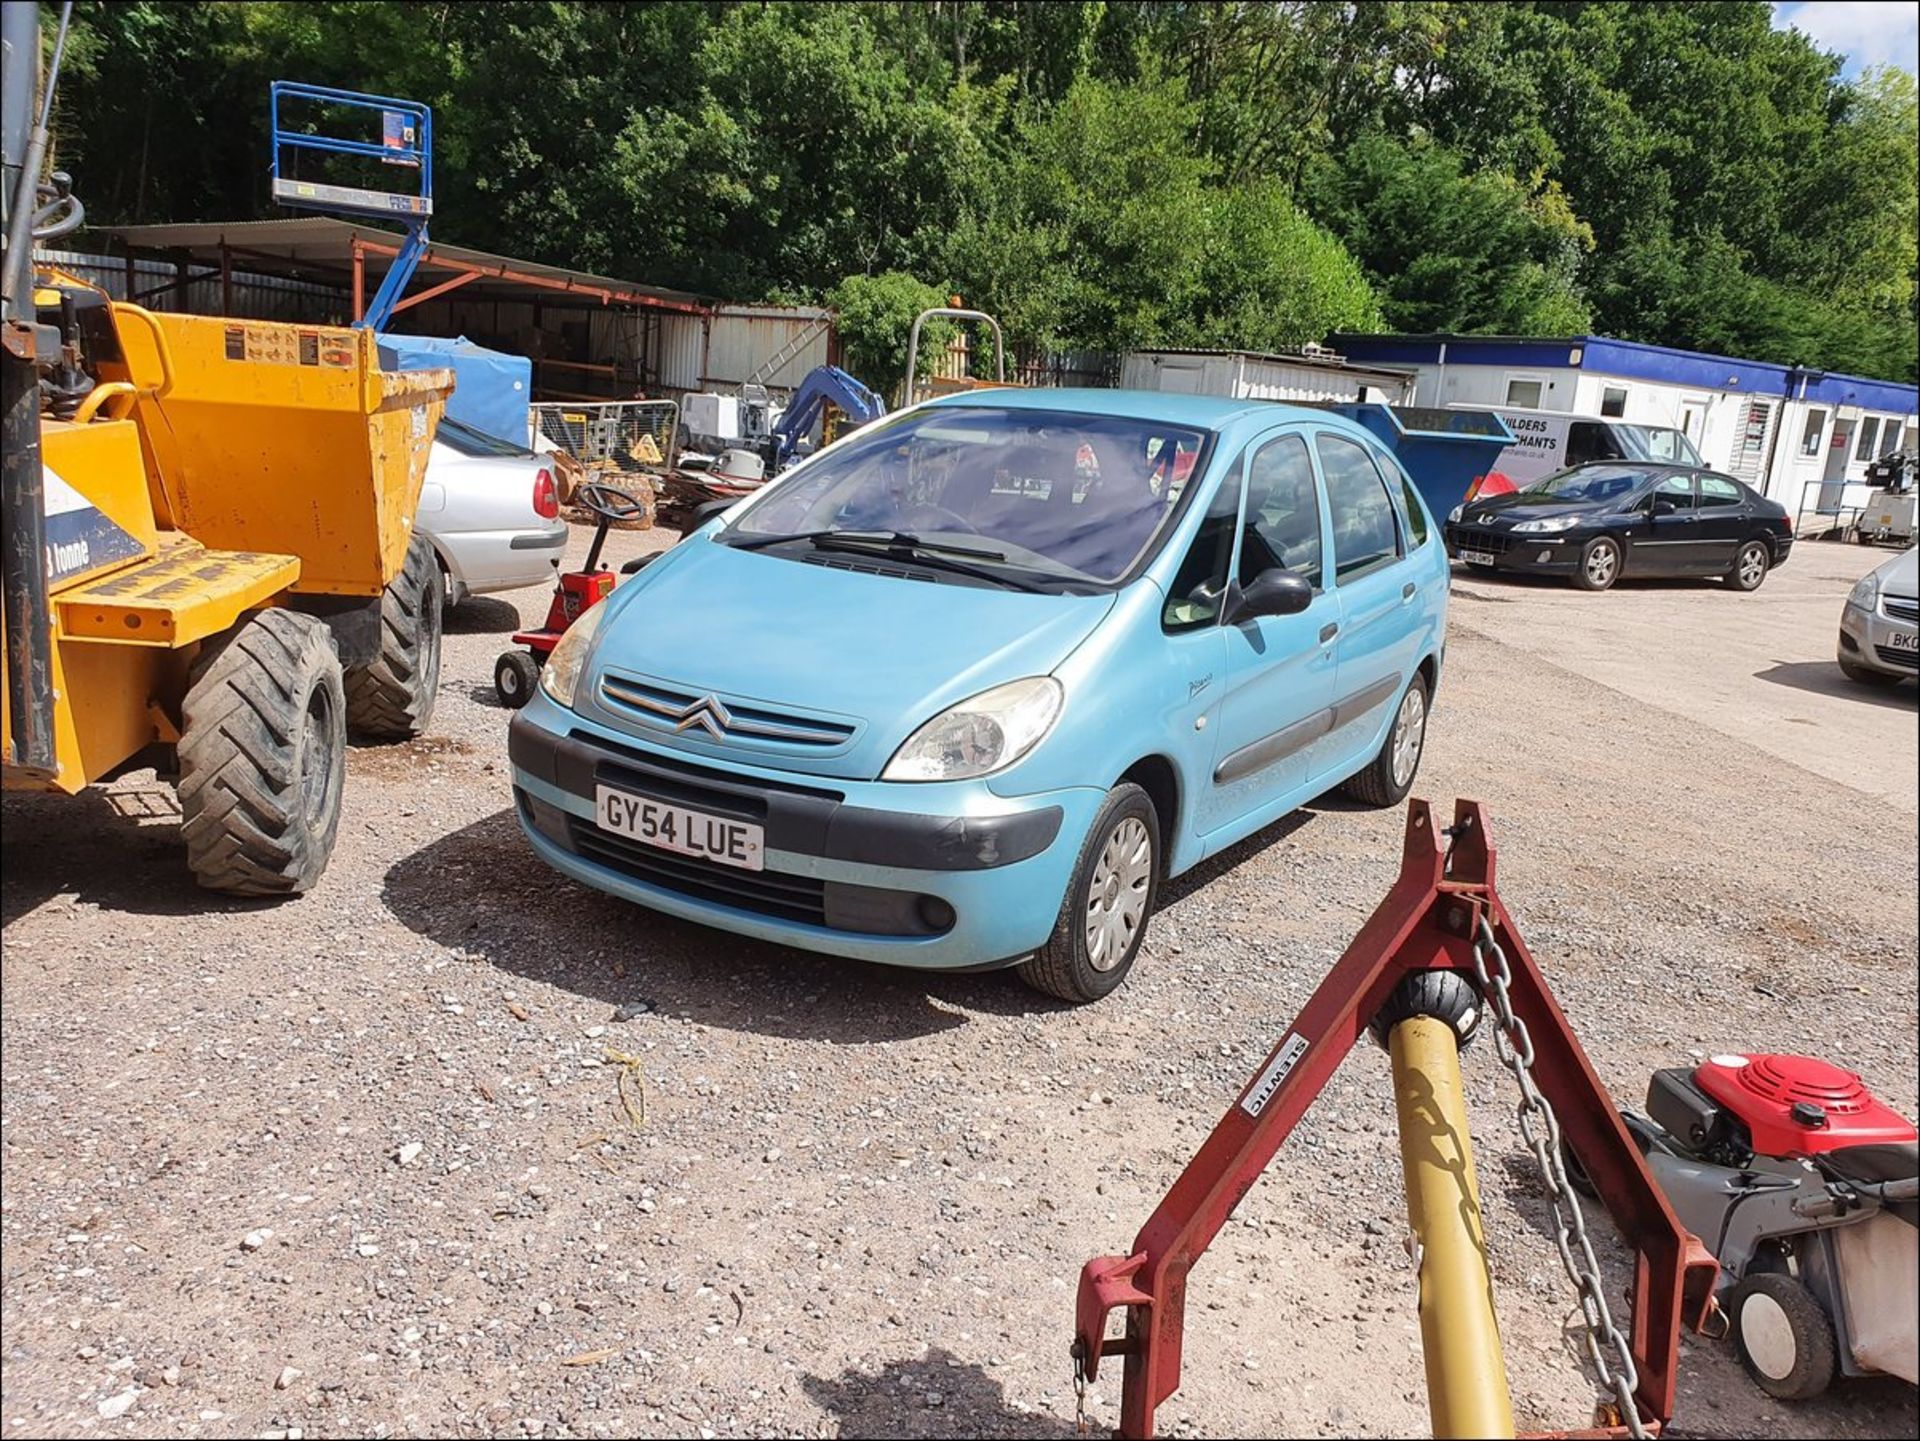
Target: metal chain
{"points": [[1540, 1129], [1081, 1426]]}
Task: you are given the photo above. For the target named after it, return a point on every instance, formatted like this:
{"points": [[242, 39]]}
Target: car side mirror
{"points": [[1660, 507], [1272, 592], [706, 511]]}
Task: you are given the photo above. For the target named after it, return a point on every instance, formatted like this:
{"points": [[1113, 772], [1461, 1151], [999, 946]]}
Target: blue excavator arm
{"points": [[822, 386]]}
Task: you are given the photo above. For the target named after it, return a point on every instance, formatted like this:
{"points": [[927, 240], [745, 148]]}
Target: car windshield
{"points": [[1586, 482], [468, 441], [1054, 495], [1658, 442]]}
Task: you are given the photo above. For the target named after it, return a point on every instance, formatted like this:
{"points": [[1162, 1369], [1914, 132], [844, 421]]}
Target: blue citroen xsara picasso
{"points": [[963, 688]]}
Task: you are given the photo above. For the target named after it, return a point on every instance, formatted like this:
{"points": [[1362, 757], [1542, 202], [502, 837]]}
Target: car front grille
{"points": [[767, 893], [674, 708], [1904, 659], [1901, 607], [1493, 542]]}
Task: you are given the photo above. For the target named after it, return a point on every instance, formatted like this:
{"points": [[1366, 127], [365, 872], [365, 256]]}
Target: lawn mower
{"points": [[1807, 1190], [517, 671]]}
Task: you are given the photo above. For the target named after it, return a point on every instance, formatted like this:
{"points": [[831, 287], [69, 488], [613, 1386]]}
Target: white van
{"points": [[1548, 440]]}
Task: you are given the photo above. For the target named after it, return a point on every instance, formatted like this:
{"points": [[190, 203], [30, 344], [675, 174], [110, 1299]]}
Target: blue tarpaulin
{"points": [[491, 390]]}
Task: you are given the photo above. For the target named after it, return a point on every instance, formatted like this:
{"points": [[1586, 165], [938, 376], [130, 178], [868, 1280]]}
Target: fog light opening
{"points": [[935, 914]]}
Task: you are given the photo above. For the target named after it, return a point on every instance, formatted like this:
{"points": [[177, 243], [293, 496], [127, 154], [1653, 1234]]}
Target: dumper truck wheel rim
{"points": [[1117, 893], [1409, 735], [316, 757], [1768, 1336]]}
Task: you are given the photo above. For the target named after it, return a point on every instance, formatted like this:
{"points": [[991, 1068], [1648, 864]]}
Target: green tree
{"points": [[1452, 251], [876, 315]]}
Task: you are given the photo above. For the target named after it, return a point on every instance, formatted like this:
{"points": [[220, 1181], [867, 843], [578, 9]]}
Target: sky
{"points": [[1865, 32]]}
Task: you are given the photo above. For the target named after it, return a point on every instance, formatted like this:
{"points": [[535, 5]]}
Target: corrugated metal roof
{"points": [[323, 243], [1328, 360]]}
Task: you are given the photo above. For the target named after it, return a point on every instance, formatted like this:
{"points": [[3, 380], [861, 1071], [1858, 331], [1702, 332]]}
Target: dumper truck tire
{"points": [[262, 755], [391, 697]]}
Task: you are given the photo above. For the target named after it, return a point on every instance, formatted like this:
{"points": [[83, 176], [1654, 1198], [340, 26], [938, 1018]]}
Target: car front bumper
{"points": [[946, 876], [1878, 641], [1532, 554]]}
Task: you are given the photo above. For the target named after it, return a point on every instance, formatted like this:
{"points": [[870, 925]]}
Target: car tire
{"points": [[1867, 676], [1599, 564], [262, 756], [515, 675], [391, 697], [1750, 566], [1782, 1336], [1109, 900], [1389, 775]]}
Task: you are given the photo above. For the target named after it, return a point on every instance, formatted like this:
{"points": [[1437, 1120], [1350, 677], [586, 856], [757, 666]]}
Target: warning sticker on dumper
{"points": [[1275, 1071]]}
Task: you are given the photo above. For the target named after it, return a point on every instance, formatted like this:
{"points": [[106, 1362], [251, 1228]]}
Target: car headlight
{"points": [[1866, 592], [560, 676], [979, 736], [1453, 516], [1551, 525]]}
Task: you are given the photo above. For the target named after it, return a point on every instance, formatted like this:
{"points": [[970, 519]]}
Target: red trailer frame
{"points": [[1427, 922]]}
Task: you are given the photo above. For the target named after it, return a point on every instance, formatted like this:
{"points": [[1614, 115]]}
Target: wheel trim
{"points": [[316, 757], [1116, 898], [1767, 1335], [1753, 565], [1601, 562], [1409, 735]]}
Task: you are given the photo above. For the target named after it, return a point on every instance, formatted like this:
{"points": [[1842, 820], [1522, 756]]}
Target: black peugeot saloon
{"points": [[1593, 524]]}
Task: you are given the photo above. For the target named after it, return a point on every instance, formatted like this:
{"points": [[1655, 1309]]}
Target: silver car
{"points": [[1880, 627], [491, 509]]}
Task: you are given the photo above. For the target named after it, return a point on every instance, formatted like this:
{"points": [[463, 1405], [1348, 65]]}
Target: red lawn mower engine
{"points": [[1807, 1190]]}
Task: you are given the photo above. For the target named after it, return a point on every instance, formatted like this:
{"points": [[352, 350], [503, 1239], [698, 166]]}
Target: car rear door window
{"points": [[1200, 585], [1283, 513], [1366, 532], [1413, 516], [1716, 490]]}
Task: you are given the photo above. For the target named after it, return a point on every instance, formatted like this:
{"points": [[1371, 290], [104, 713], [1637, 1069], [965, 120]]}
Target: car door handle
{"points": [[1328, 632], [1407, 590]]}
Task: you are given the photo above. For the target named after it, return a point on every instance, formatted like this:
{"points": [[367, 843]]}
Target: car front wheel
{"points": [[1599, 564], [1103, 918]]}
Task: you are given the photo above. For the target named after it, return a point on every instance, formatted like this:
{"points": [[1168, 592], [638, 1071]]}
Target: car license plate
{"points": [[1899, 640], [1477, 557], [720, 839]]}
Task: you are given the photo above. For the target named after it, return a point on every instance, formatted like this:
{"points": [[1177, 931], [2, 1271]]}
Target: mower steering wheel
{"points": [[609, 502]]}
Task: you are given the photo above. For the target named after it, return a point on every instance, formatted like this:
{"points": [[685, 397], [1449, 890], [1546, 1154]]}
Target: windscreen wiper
{"points": [[934, 554]]}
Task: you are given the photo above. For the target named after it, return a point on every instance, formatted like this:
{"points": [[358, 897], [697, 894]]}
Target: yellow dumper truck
{"points": [[209, 561]]}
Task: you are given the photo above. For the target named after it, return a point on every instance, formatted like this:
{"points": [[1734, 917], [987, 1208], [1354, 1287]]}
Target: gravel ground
{"points": [[359, 1164]]}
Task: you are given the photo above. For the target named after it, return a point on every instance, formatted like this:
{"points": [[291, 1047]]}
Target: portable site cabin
{"points": [[1310, 376]]}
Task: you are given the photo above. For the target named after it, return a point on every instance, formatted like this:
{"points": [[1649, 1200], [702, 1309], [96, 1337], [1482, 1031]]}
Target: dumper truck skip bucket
{"points": [[286, 439]]}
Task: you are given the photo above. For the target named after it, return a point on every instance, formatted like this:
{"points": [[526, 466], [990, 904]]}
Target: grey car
{"points": [[1880, 627]]}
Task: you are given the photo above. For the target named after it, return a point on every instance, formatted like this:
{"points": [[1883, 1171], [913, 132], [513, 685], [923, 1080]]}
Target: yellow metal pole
{"points": [[1466, 1372]]}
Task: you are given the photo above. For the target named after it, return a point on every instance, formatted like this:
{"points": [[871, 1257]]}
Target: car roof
{"points": [[1208, 412]]}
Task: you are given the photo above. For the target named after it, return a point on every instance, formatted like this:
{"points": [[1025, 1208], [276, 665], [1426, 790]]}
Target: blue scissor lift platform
{"points": [[406, 143]]}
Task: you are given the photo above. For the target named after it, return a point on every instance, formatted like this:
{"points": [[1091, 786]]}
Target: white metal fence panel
{"points": [[621, 435]]}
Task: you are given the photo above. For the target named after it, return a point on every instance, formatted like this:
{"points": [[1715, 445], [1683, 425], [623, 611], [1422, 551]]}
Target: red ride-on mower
{"points": [[1807, 1190], [517, 672]]}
